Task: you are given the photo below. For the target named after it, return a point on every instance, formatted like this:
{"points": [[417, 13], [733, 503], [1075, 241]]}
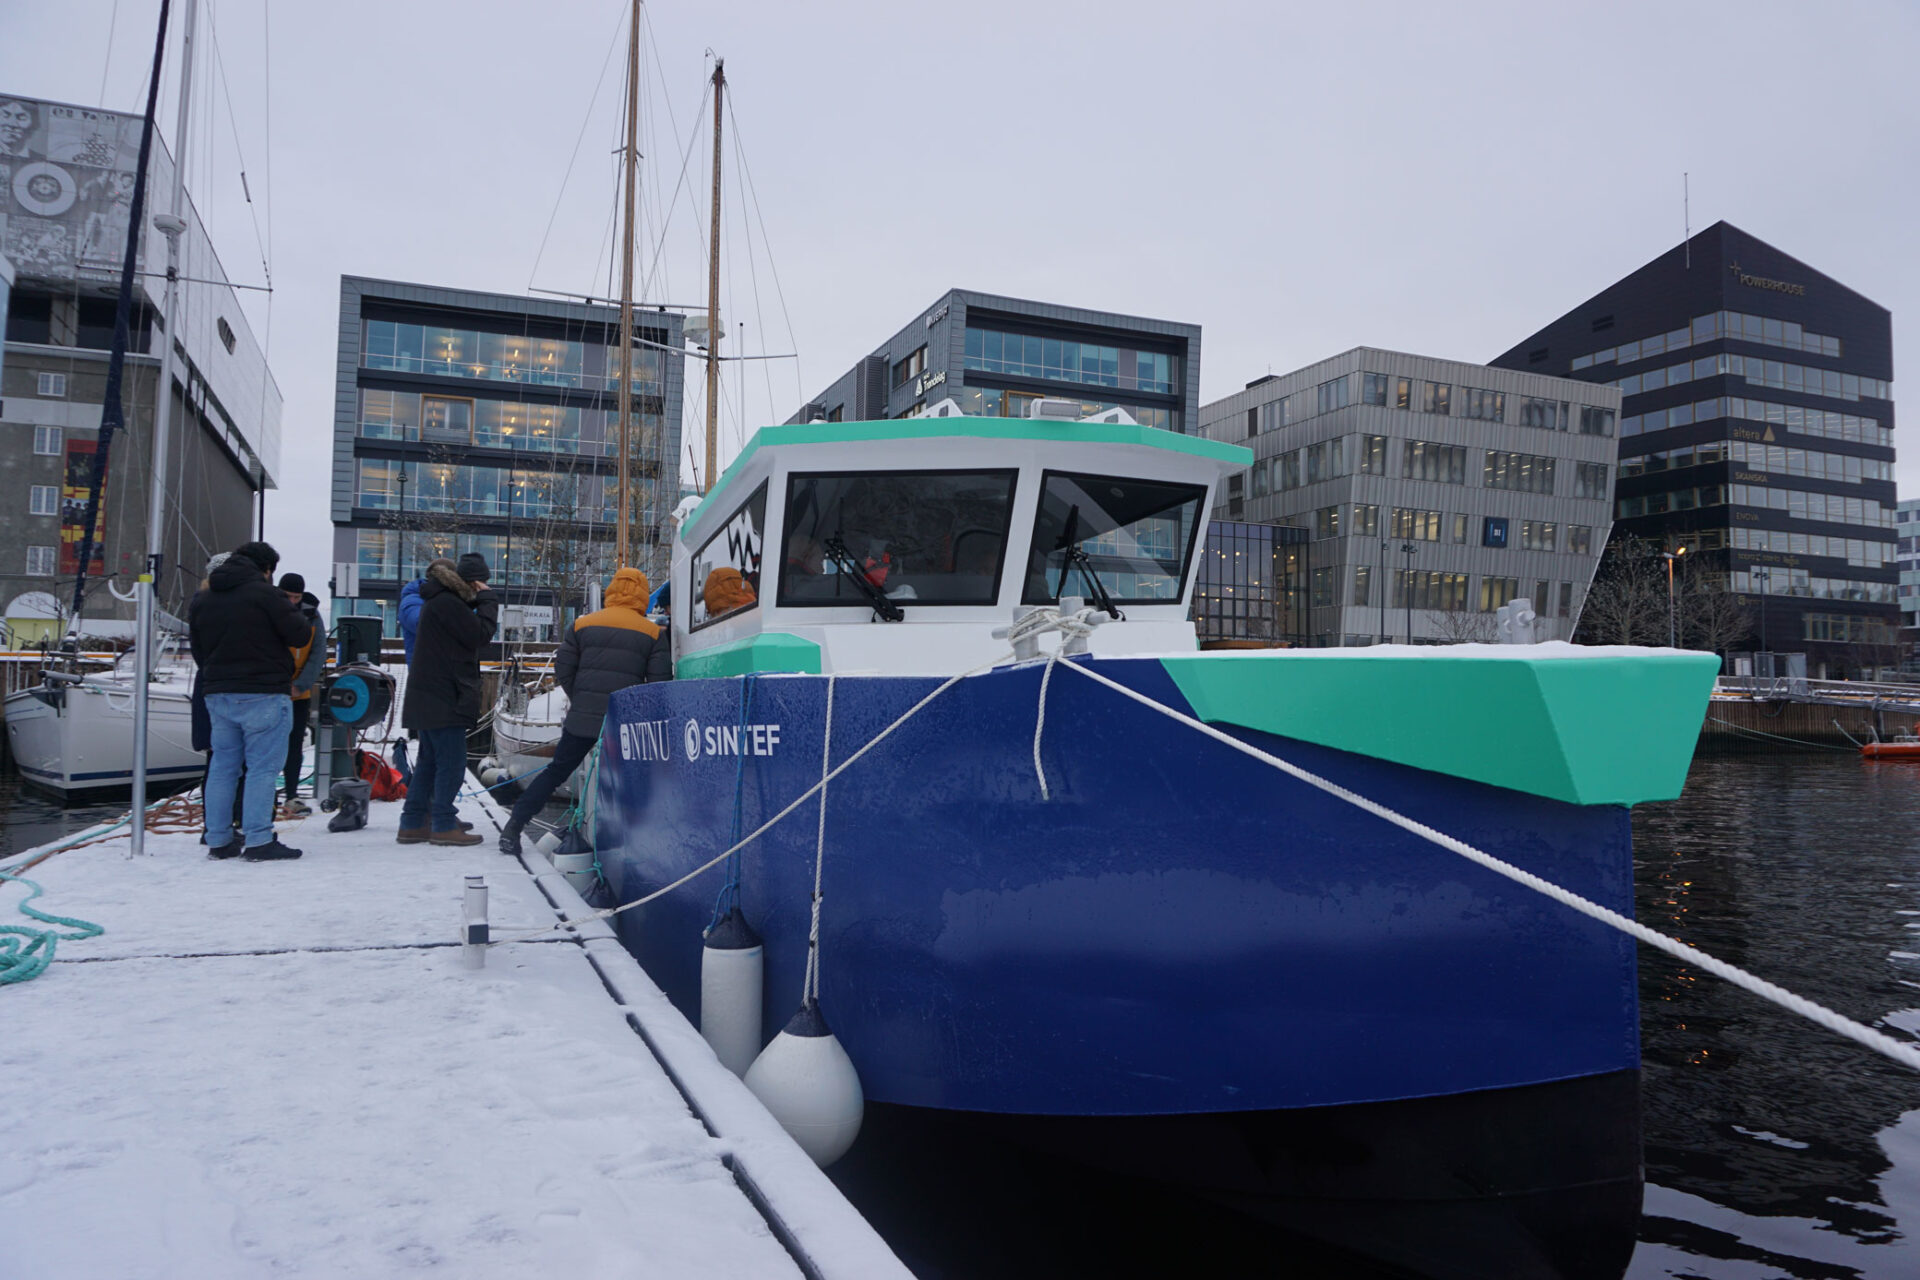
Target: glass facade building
{"points": [[1756, 431], [1250, 585], [470, 422], [995, 357]]}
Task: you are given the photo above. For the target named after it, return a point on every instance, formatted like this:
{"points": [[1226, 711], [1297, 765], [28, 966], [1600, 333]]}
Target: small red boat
{"points": [[1904, 747]]}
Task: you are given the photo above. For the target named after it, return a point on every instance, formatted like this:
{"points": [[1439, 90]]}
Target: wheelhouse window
{"points": [[1136, 537], [726, 570], [917, 537]]}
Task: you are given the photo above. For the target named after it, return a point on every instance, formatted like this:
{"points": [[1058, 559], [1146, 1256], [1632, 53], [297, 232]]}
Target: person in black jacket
{"points": [[243, 633], [458, 615], [603, 652]]}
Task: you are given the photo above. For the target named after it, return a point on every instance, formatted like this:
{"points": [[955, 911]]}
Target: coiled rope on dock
{"points": [[22, 961]]}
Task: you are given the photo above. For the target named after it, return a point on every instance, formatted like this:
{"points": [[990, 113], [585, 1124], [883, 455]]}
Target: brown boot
{"points": [[456, 836], [413, 835]]}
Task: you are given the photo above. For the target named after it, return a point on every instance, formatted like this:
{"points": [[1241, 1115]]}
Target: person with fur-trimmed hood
{"points": [[458, 616], [601, 654]]}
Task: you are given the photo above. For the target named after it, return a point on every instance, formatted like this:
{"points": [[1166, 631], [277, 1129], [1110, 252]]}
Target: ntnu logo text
{"points": [[645, 740], [729, 739]]}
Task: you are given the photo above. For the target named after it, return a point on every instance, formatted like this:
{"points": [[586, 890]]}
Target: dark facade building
{"points": [[1756, 432], [482, 422], [1250, 585], [996, 356]]}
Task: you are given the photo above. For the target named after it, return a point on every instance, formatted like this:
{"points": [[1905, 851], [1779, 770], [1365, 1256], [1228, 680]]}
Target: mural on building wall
{"points": [[75, 481], [66, 189]]}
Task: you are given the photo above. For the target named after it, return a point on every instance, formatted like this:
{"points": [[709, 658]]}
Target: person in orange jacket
{"points": [[602, 653]]}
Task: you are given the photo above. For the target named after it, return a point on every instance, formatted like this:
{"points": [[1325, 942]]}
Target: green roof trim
{"points": [[1607, 729], [1044, 429], [768, 651]]}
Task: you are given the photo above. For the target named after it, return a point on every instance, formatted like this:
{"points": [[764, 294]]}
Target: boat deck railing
{"points": [[1838, 693]]}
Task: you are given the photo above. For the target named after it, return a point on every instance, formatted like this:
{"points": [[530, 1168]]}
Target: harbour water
{"points": [[1773, 1149]]}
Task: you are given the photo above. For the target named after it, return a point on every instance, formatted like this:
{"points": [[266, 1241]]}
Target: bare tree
{"points": [[1627, 603], [1711, 616], [1462, 626]]}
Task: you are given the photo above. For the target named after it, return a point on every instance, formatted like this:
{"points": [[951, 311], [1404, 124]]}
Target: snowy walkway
{"points": [[283, 1069]]}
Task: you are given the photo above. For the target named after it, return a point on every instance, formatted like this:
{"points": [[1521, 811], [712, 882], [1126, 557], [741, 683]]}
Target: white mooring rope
{"points": [[1906, 1054], [810, 985]]}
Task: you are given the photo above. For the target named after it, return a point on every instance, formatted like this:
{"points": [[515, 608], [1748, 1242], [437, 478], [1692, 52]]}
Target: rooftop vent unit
{"points": [[1055, 409], [1116, 415]]}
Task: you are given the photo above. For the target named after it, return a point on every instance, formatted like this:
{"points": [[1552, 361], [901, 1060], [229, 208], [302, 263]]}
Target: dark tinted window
{"points": [[1136, 533], [726, 570], [922, 537]]}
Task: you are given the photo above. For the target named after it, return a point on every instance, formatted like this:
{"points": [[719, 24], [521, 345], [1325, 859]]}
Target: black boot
{"points": [[510, 837]]}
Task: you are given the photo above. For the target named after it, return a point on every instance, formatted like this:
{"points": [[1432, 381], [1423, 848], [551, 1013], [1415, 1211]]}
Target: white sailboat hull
{"points": [[525, 732], [80, 737]]}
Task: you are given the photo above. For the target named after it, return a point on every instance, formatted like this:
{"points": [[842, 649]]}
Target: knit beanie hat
{"points": [[473, 567], [219, 558], [292, 582]]}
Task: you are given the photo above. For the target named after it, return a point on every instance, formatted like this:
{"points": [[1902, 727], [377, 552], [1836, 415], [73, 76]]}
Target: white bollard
{"points": [[473, 942]]}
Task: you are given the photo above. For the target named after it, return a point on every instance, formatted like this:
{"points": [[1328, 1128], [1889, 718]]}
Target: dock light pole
{"points": [[1383, 591], [1408, 549], [1670, 557], [1764, 576]]}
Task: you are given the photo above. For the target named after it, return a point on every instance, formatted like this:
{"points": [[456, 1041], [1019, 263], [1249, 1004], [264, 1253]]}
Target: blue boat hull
{"points": [[1179, 929]]}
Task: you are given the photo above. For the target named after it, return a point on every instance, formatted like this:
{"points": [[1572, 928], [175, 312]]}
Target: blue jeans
{"points": [[437, 774], [250, 728]]}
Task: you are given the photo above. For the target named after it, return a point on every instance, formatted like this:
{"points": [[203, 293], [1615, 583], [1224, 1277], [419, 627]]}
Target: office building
{"points": [[1250, 586], [1756, 432], [67, 175], [996, 356], [1433, 491], [1906, 528], [487, 423]]}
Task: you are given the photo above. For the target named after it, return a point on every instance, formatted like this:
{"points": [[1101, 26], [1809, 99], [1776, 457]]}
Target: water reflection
{"points": [[29, 818], [1774, 1148]]}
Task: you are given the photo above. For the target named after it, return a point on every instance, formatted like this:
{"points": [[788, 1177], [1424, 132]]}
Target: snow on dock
{"points": [[283, 1068]]}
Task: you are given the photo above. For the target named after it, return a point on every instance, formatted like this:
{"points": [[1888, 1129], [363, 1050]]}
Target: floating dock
{"points": [[273, 1068]]}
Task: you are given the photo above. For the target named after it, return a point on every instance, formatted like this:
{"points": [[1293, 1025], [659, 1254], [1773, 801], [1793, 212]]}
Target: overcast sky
{"points": [[1441, 179]]}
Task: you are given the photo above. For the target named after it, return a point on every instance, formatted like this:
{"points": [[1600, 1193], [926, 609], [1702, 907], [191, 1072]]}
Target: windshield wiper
{"points": [[1077, 557], [836, 549]]}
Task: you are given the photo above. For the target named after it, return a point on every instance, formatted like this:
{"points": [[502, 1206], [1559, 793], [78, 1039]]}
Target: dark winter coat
{"points": [[410, 613], [605, 651], [244, 630], [443, 679], [311, 659]]}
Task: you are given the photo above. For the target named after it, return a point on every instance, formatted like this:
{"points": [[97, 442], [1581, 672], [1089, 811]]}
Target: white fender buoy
{"points": [[807, 1081], [488, 764], [546, 844], [577, 868], [732, 966]]}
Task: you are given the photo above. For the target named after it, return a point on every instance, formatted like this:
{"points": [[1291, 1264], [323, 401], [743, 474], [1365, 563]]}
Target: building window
{"points": [[1445, 463], [1589, 480], [1580, 539], [1422, 526], [1326, 523], [1542, 597], [1028, 356], [1495, 592], [53, 384], [1565, 608], [1435, 397], [1484, 406], [225, 331], [1366, 520], [912, 367], [40, 562], [1403, 393], [1334, 394], [1539, 535], [1326, 460], [1287, 472], [1525, 472], [444, 421], [1362, 584], [43, 500], [1457, 533], [1325, 587], [47, 441], [1373, 455], [1547, 415], [1373, 388], [1429, 589], [377, 553], [1595, 421]]}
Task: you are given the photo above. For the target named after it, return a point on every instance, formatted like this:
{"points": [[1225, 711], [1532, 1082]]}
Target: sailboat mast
{"points": [[621, 544], [170, 226], [713, 281]]}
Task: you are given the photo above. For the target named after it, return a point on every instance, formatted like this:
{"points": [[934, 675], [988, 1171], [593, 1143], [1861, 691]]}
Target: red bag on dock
{"points": [[384, 777]]}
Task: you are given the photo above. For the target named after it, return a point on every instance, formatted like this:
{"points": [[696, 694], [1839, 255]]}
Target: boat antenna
{"points": [[621, 557], [713, 279]]}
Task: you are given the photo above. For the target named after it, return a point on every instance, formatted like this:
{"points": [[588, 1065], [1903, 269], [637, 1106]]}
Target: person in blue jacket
{"points": [[410, 613]]}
